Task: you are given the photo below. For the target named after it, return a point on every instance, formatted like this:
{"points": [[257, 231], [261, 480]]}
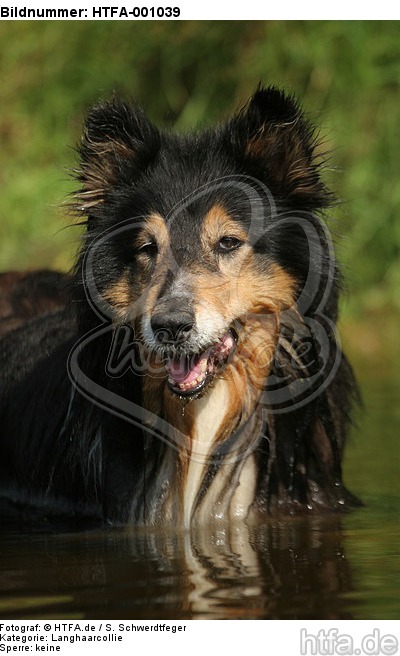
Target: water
{"points": [[304, 568]]}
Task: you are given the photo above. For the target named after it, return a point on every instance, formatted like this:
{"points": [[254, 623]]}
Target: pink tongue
{"points": [[186, 371]]}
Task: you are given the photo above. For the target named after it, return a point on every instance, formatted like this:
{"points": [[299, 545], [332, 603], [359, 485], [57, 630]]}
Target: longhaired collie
{"points": [[195, 374]]}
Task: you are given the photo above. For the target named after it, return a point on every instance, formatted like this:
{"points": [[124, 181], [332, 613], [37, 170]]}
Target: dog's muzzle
{"points": [[189, 370]]}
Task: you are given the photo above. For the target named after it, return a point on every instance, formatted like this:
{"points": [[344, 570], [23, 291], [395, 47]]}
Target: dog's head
{"points": [[200, 254]]}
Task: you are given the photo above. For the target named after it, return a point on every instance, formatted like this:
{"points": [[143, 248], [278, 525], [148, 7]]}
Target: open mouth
{"points": [[188, 375]]}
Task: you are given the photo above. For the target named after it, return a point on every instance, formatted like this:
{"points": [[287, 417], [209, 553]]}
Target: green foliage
{"points": [[347, 75]]}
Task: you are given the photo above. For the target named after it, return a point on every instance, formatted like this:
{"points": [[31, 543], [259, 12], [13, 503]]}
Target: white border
{"points": [[206, 10]]}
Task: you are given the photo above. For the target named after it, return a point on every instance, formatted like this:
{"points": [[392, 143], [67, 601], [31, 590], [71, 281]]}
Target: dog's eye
{"points": [[149, 248], [228, 244]]}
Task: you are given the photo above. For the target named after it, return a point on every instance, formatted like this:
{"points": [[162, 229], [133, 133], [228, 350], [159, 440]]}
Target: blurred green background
{"points": [[346, 73]]}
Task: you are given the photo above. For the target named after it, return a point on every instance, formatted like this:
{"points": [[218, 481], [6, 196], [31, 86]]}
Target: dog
{"points": [[196, 373]]}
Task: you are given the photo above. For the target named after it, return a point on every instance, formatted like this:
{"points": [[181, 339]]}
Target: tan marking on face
{"points": [[241, 289], [271, 291], [239, 286], [128, 300], [154, 229], [218, 224], [120, 295]]}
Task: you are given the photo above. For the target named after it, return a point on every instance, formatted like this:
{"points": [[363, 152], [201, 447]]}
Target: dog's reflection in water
{"points": [[279, 570], [291, 569]]}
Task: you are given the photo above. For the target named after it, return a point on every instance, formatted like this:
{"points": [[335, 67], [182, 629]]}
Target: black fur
{"points": [[62, 451], [24, 296]]}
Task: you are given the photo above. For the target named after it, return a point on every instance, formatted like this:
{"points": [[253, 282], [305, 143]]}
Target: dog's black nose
{"points": [[172, 327]]}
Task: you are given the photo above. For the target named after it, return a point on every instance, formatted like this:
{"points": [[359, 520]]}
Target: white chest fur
{"points": [[233, 487]]}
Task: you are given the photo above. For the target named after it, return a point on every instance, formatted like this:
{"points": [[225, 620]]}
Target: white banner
{"points": [[95, 637], [191, 10]]}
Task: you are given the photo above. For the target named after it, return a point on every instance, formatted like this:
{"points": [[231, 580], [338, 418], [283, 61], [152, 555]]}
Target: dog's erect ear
{"points": [[118, 144], [279, 146]]}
